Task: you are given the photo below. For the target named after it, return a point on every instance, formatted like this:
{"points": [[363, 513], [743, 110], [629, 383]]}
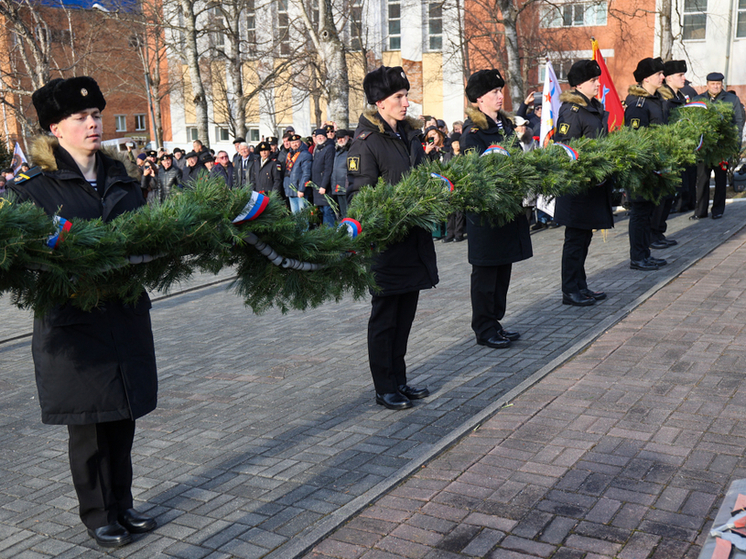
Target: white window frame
{"points": [[120, 123]]}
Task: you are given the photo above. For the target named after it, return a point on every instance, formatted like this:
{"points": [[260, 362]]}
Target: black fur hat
{"points": [[61, 98], [582, 71], [674, 67], [482, 82], [384, 81], [647, 67]]}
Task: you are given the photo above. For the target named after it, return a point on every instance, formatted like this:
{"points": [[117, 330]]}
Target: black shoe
{"points": [[137, 523], [538, 226], [657, 261], [717, 216], [495, 342], [577, 299], [393, 401], [512, 336], [597, 295], [460, 239], [644, 265], [414, 393], [113, 535], [695, 217], [553, 224], [670, 242], [447, 240], [659, 244]]}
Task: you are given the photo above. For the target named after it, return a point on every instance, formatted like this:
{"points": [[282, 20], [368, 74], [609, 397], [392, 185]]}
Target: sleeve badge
{"points": [[635, 123], [353, 164], [564, 128]]}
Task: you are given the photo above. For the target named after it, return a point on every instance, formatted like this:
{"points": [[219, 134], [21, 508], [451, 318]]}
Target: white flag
{"points": [[18, 158], [550, 105]]}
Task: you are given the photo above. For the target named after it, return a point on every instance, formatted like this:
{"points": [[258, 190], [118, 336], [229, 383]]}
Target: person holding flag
{"points": [[581, 115]]}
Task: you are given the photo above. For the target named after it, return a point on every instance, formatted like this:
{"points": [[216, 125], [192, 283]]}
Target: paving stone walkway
{"points": [[267, 439]]}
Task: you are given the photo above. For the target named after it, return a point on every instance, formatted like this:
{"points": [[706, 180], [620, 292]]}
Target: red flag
{"points": [[607, 92]]}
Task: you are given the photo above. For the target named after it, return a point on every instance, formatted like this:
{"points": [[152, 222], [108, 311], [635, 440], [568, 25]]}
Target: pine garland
{"points": [[193, 230]]}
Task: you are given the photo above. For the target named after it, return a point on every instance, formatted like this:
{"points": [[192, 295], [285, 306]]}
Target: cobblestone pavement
{"points": [[623, 452], [267, 438]]}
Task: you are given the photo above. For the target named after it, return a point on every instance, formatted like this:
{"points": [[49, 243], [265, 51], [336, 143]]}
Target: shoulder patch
{"points": [[473, 129], [640, 101], [575, 108], [353, 164], [635, 123], [30, 174], [279, 167], [363, 135], [564, 128]]}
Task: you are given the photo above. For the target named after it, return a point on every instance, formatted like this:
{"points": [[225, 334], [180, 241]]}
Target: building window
{"points": [[140, 122], [121, 123], [394, 25], [217, 26], [741, 24], [253, 134], [356, 25], [222, 134], [283, 27], [192, 133], [561, 68], [695, 19], [577, 14], [435, 25]]}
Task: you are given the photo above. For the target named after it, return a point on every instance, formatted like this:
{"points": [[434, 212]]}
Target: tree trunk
{"points": [[195, 74], [336, 80], [665, 29], [510, 21]]}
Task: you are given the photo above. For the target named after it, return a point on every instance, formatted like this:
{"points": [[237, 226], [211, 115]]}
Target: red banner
{"points": [[607, 93]]}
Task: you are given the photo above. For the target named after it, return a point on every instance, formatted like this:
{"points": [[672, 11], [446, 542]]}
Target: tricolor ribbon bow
{"points": [[570, 152], [353, 227], [495, 148], [63, 225], [253, 209]]}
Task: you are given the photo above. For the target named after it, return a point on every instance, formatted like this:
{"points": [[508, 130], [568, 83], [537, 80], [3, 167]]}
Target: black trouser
{"points": [[639, 229], [455, 226], [342, 202], [390, 322], [574, 253], [658, 219], [489, 296], [101, 467], [703, 190], [687, 190]]}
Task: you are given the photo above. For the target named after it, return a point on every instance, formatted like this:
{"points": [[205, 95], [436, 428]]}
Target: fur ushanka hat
{"points": [[647, 67], [384, 81], [61, 98], [582, 71], [482, 82]]}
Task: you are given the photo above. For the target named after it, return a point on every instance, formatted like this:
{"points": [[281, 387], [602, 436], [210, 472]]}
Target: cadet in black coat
{"points": [[581, 115], [95, 371], [715, 92], [492, 248], [645, 106], [265, 172], [387, 145]]}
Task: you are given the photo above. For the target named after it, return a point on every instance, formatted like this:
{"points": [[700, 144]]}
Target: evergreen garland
{"points": [[193, 230]]}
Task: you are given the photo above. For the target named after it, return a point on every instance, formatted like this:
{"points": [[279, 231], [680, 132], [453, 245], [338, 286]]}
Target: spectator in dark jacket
{"points": [[266, 172], [193, 169], [223, 168], [339, 175], [297, 173], [169, 176], [321, 174]]}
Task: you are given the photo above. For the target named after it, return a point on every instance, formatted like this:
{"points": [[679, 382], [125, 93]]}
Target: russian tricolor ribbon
{"points": [[353, 227], [570, 152], [63, 225], [698, 104], [444, 179], [253, 209], [701, 141], [495, 148]]}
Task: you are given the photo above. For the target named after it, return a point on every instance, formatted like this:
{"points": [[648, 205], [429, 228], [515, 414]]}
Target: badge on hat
{"points": [[84, 92]]}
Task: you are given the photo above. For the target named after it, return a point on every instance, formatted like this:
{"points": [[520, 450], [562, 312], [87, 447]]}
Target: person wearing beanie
{"points": [[645, 106], [95, 371], [716, 92], [492, 248], [387, 145], [581, 115]]}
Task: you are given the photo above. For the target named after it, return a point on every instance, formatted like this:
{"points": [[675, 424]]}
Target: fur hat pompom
{"points": [[61, 98]]}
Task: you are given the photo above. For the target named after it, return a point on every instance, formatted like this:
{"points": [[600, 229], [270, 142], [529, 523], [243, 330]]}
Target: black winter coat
{"points": [[644, 109], [580, 117], [266, 178], [191, 174], [377, 151], [98, 366], [225, 173], [168, 179], [339, 175], [321, 171], [492, 245]]}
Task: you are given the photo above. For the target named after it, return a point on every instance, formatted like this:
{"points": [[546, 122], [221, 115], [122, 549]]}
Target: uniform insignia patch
{"points": [[474, 130], [353, 164], [575, 108], [564, 128], [30, 174], [635, 123], [363, 135], [279, 167]]}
